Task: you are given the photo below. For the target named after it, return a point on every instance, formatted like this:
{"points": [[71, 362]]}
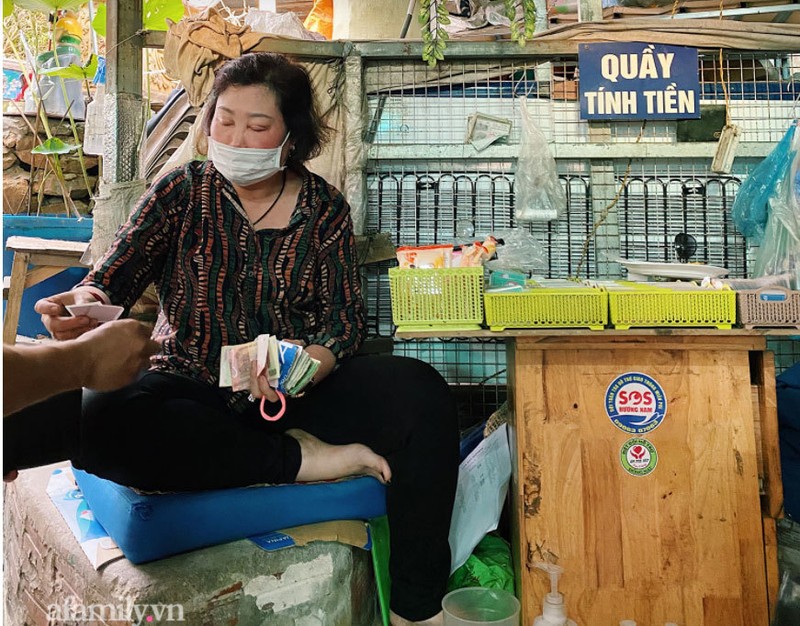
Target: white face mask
{"points": [[245, 166]]}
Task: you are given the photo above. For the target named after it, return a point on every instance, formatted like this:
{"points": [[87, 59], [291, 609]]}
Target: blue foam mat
{"points": [[149, 527]]}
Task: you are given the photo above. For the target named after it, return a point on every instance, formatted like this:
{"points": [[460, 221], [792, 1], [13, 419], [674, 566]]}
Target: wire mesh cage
{"points": [[426, 185]]}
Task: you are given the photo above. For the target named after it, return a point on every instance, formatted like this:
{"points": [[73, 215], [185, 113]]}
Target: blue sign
{"points": [[637, 81], [635, 403]]}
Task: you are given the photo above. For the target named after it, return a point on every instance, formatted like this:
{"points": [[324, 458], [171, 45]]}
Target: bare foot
{"points": [[436, 620], [323, 461]]}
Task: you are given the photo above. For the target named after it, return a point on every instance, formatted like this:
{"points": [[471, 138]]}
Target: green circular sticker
{"points": [[638, 456]]}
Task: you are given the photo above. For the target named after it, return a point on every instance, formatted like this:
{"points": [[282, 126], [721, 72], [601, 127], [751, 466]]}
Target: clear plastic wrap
{"points": [[780, 249], [750, 208], [539, 194], [520, 252]]}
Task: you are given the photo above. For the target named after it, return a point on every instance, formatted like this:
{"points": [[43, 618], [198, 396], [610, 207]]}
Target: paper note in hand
{"points": [[301, 371], [236, 365], [288, 353], [273, 362], [225, 366], [305, 375], [262, 359], [288, 367]]}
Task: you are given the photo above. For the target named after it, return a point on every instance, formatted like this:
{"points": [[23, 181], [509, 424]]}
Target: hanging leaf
{"points": [[522, 14], [72, 70], [433, 15], [8, 8], [54, 145], [99, 19], [154, 15], [47, 6]]}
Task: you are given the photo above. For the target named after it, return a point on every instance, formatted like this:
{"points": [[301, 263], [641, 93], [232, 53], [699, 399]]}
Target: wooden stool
{"points": [[36, 260]]}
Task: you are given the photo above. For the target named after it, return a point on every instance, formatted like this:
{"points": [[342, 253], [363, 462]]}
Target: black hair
{"points": [[292, 88]]}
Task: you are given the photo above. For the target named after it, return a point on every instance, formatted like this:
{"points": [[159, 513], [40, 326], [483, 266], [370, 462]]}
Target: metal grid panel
{"points": [[787, 351], [476, 369], [426, 202], [664, 199], [409, 103], [425, 199]]}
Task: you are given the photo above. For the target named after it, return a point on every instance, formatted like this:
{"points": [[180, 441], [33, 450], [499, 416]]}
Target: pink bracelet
{"points": [[279, 414]]}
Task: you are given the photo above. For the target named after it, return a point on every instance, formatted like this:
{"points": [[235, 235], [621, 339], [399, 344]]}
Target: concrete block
{"points": [[47, 576]]}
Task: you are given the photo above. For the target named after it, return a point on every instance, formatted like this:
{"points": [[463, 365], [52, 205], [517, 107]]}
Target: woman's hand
{"points": [[259, 385], [58, 321]]}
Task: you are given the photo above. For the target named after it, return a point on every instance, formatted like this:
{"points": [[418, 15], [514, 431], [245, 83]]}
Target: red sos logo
{"points": [[635, 398], [635, 403]]}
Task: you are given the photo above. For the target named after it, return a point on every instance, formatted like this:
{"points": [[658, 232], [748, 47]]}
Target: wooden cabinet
{"points": [[692, 542]]}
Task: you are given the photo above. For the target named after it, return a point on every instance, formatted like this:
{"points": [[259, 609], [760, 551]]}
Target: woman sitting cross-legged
{"points": [[246, 243]]}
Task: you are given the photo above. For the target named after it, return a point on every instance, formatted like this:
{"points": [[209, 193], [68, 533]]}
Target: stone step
{"points": [[321, 584]]}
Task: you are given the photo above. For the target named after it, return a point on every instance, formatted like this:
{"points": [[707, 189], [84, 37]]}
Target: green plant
{"points": [[433, 16], [52, 148], [154, 15], [521, 29]]}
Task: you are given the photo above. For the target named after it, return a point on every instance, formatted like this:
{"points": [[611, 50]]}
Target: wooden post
{"points": [[123, 90], [124, 118]]}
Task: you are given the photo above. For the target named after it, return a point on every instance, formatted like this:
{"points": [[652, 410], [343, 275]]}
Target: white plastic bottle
{"points": [[95, 127], [554, 611]]}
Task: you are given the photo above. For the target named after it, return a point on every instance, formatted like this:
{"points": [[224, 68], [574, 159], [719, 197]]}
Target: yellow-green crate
{"points": [[430, 299], [681, 304], [547, 307]]}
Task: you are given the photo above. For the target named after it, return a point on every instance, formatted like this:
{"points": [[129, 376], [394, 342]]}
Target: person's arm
{"points": [[103, 359], [138, 255], [341, 314], [133, 261]]}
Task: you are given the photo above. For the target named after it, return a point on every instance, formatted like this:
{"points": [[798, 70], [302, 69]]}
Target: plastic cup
{"points": [[475, 605]]}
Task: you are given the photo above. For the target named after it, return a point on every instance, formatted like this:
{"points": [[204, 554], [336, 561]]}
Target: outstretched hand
{"points": [[115, 352], [57, 320]]}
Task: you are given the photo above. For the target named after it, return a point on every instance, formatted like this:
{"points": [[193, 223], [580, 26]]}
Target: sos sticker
{"points": [[635, 403], [638, 457]]}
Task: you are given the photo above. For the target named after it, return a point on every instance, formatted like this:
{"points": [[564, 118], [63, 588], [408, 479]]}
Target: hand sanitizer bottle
{"points": [[554, 612]]}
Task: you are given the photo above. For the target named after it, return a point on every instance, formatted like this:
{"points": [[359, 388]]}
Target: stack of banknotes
{"points": [[287, 366]]}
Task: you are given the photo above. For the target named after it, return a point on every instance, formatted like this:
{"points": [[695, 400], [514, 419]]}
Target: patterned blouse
{"points": [[222, 283]]}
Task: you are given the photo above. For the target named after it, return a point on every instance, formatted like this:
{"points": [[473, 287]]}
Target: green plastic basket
{"points": [[563, 306], [678, 304], [447, 299]]}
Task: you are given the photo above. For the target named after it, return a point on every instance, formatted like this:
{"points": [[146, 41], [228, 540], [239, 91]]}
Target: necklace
{"points": [[275, 201]]}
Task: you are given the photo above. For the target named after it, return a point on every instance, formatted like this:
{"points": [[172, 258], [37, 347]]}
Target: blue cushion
{"points": [[148, 527]]}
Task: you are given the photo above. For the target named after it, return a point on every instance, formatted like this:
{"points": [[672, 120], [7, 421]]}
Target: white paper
{"points": [[482, 487], [92, 537]]}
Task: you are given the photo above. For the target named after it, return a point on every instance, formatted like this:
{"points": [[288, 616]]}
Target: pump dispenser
{"points": [[554, 611]]}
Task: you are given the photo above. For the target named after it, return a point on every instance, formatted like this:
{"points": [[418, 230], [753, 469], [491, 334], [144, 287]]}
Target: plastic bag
{"points": [[488, 566], [749, 210], [283, 24], [521, 251], [320, 19], [780, 249], [540, 196]]}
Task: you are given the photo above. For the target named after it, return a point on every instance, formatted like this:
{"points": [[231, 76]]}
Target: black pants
{"points": [[166, 432]]}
